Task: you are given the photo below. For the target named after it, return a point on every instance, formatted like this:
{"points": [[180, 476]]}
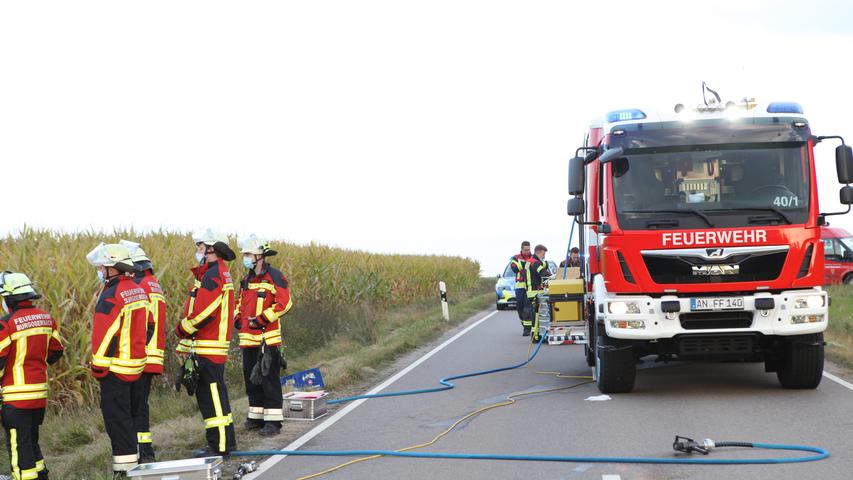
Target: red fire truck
{"points": [[838, 255], [702, 236]]}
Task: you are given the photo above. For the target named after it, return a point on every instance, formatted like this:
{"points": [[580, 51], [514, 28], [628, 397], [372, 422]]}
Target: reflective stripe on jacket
{"points": [[208, 313], [266, 297], [119, 330], [29, 339], [156, 330]]}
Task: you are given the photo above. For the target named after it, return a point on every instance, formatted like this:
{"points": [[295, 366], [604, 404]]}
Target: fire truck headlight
{"points": [[810, 301], [621, 308]]}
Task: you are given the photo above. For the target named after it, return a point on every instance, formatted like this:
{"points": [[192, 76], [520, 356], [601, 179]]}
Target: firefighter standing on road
{"points": [[29, 342], [518, 263], [205, 332], [537, 271], [156, 337], [263, 300], [118, 348]]}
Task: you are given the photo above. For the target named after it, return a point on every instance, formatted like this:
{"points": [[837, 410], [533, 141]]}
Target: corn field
{"points": [[325, 283]]}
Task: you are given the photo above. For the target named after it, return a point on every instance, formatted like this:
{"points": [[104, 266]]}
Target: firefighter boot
{"points": [[146, 453], [252, 424], [270, 430], [206, 451]]}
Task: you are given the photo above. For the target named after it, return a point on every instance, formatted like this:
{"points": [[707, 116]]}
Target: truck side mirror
{"points": [[613, 154], [844, 164], [576, 176], [845, 195], [575, 206]]}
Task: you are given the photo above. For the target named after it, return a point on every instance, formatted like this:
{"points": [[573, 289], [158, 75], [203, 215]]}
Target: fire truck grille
{"points": [[741, 268], [715, 346], [706, 320]]}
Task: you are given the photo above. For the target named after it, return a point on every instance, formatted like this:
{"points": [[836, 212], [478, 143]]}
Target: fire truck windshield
{"points": [[712, 186]]}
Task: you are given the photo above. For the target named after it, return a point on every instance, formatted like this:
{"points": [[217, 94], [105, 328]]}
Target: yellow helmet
{"points": [[17, 286], [255, 245], [111, 255]]}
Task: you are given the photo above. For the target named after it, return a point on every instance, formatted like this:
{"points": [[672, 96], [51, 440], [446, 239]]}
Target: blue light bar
{"points": [[623, 115], [784, 107]]}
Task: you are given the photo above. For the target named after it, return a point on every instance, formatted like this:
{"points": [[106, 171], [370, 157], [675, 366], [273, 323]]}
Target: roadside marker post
{"points": [[442, 290]]}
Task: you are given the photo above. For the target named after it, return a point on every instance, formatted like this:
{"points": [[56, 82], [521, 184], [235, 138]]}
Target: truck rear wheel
{"points": [[802, 361], [615, 368]]}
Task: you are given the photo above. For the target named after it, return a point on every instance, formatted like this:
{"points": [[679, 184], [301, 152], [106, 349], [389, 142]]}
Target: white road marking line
{"points": [[272, 461], [837, 380], [611, 477]]}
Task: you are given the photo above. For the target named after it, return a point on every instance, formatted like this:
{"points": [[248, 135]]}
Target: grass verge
{"points": [[76, 446], [839, 334]]}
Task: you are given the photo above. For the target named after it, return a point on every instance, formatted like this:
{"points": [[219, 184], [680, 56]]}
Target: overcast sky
{"points": [[416, 127]]}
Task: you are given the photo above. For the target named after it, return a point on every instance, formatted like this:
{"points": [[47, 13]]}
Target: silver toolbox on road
{"points": [[208, 468], [304, 406]]}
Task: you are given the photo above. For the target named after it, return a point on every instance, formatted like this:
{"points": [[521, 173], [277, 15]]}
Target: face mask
{"points": [[101, 276], [247, 262], [199, 257]]}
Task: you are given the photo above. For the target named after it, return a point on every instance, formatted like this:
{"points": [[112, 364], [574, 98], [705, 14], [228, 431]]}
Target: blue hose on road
{"points": [[445, 382], [821, 454], [448, 385]]}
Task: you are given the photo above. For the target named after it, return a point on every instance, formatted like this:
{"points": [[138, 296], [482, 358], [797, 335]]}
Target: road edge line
{"points": [[309, 435], [843, 383]]}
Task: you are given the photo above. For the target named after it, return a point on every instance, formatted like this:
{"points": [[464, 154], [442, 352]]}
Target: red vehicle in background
{"points": [[838, 255]]}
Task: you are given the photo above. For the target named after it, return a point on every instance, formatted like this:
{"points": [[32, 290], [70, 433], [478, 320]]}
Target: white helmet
{"points": [[136, 252], [17, 286], [217, 240], [258, 246], [111, 255]]}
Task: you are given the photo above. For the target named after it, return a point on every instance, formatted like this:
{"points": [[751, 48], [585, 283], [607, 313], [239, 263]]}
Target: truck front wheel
{"points": [[802, 361], [615, 367]]}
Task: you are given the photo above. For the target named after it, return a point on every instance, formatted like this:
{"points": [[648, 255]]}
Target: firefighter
{"points": [[264, 298], [537, 271], [156, 337], [204, 334], [518, 263], [29, 342], [574, 259], [119, 334]]}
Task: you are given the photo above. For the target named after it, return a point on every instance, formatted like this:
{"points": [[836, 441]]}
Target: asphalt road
{"points": [[726, 402]]}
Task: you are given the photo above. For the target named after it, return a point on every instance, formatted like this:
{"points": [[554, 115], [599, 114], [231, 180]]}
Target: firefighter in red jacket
{"points": [[518, 264], [205, 332], [156, 336], [119, 334], [29, 342], [263, 300]]}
